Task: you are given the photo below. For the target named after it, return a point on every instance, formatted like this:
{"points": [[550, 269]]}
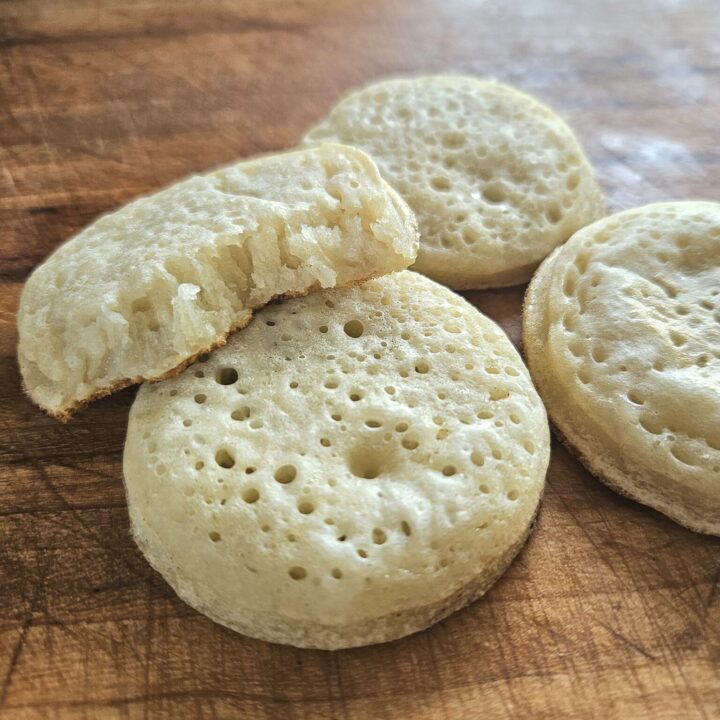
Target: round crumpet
{"points": [[496, 179], [350, 468], [622, 335]]}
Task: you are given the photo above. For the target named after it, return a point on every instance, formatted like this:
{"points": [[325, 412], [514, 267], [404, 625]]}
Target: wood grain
{"points": [[611, 611]]}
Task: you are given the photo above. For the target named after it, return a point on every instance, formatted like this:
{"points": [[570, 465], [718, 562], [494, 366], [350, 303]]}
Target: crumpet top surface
{"points": [[622, 332], [349, 455], [143, 290], [496, 179]]}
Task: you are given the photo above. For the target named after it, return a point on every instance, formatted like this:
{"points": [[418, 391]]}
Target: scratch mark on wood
{"points": [[635, 646], [149, 622], [24, 630], [14, 659], [712, 595]]}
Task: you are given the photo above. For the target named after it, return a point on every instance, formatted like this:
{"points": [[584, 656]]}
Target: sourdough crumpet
{"points": [[350, 468], [141, 292], [622, 335], [496, 179]]}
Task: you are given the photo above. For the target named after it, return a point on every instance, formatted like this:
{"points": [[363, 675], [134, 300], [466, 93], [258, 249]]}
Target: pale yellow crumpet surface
{"points": [[496, 179], [350, 468], [622, 335], [141, 292]]}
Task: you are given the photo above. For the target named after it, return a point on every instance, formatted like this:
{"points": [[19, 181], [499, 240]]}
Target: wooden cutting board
{"points": [[611, 611]]}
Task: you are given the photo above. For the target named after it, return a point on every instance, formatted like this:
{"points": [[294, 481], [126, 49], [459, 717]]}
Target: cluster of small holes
{"points": [[400, 433], [446, 140], [681, 312]]}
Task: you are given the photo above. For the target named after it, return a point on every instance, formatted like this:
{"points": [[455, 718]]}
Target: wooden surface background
{"points": [[611, 611]]}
